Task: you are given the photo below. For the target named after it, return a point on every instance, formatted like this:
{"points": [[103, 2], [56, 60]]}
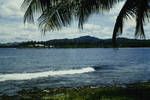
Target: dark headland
{"points": [[81, 42]]}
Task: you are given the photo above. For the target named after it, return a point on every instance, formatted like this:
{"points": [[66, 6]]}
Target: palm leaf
{"points": [[141, 15], [138, 9], [54, 14], [56, 17], [126, 12], [89, 7]]}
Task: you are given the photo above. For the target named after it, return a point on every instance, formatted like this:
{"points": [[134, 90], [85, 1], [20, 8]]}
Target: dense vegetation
{"points": [[81, 42]]}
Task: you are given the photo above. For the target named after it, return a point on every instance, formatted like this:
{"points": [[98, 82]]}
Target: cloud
{"points": [[12, 27], [11, 8]]}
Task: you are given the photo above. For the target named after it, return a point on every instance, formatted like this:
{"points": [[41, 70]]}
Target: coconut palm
{"points": [[137, 9], [54, 14]]}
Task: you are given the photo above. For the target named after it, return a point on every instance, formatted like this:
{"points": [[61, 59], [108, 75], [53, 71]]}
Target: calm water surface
{"points": [[28, 68]]}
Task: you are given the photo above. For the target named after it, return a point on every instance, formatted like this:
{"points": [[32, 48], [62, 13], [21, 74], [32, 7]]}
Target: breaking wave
{"points": [[29, 76]]}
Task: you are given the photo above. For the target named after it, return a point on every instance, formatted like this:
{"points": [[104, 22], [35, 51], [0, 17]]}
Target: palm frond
{"points": [[34, 7], [89, 7], [54, 14], [126, 12], [56, 17], [141, 15], [138, 9]]}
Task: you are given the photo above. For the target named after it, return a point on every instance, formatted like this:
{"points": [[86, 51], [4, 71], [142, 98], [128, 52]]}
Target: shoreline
{"points": [[135, 91]]}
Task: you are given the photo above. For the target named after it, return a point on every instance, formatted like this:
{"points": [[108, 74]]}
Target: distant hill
{"points": [[81, 42], [87, 38]]}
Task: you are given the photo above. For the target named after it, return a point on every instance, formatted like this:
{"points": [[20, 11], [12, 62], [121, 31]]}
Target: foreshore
{"points": [[136, 91]]}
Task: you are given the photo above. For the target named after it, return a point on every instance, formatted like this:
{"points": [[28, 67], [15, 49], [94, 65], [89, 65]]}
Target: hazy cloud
{"points": [[13, 29]]}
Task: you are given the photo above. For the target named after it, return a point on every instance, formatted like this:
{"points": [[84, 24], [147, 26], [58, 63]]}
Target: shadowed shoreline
{"points": [[80, 42], [136, 91]]}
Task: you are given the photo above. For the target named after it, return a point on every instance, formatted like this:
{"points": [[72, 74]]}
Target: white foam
{"points": [[29, 76]]}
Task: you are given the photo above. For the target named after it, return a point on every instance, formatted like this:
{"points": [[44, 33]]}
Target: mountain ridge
{"points": [[80, 42]]}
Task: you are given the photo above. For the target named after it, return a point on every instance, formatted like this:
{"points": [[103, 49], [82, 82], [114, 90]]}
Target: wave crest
{"points": [[29, 76]]}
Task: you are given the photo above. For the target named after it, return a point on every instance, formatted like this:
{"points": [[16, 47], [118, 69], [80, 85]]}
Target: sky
{"points": [[12, 28]]}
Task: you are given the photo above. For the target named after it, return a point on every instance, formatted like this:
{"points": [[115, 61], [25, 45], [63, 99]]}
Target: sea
{"points": [[55, 68]]}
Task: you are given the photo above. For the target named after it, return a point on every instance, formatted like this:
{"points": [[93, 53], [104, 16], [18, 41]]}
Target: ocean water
{"points": [[42, 68]]}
